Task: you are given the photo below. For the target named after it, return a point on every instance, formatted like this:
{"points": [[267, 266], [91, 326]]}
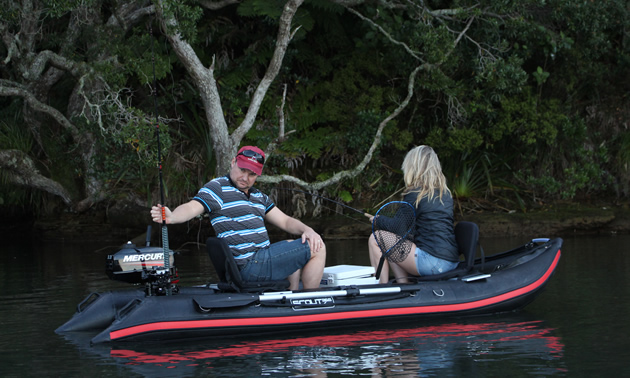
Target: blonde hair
{"points": [[423, 173]]}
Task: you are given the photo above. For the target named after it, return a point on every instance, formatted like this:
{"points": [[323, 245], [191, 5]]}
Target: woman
{"points": [[434, 249]]}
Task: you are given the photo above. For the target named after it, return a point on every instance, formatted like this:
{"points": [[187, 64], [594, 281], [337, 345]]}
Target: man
{"points": [[238, 212]]}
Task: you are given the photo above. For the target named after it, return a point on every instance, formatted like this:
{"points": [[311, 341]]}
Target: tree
{"points": [[226, 144], [324, 86], [40, 69], [38, 72]]}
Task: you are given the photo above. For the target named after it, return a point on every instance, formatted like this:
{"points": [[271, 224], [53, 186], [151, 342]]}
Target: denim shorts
{"points": [[276, 262], [428, 264]]}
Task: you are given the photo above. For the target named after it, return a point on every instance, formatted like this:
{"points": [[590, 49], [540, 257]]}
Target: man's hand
{"points": [[156, 213], [183, 213], [315, 241]]}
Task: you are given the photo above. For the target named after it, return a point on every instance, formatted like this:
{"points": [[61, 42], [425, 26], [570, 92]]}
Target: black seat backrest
{"points": [[229, 275], [467, 237]]}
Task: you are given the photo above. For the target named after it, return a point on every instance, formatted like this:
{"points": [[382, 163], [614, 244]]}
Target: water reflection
{"points": [[576, 327], [439, 349]]}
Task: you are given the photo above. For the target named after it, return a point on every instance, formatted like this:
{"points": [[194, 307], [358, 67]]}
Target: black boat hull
{"points": [[514, 279]]}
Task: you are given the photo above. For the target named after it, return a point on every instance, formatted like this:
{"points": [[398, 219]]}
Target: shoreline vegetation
{"points": [[522, 100], [119, 224]]}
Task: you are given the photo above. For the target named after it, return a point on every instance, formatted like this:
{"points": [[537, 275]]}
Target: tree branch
{"points": [[20, 170], [215, 5], [386, 34], [282, 135], [337, 177], [129, 14], [39, 64], [17, 90], [282, 42]]}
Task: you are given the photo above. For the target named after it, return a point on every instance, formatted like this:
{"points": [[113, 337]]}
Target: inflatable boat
{"points": [[348, 296]]}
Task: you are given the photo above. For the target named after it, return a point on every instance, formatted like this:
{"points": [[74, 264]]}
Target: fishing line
{"points": [[327, 199], [345, 215], [165, 246]]}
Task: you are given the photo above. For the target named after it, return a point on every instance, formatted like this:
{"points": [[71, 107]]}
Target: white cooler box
{"points": [[345, 275]]}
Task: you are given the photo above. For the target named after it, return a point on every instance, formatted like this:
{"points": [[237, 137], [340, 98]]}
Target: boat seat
{"points": [[229, 275], [467, 238]]}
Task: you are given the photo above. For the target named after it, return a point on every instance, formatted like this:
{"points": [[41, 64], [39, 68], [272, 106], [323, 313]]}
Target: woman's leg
{"points": [[407, 267], [401, 270]]}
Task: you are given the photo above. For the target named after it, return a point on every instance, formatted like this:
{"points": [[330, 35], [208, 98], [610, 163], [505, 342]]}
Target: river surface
{"points": [[579, 326]]}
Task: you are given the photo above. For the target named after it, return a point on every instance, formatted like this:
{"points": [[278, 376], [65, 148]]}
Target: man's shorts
{"points": [[276, 262]]}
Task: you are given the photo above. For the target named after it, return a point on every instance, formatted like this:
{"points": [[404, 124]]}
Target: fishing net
{"points": [[392, 227]]}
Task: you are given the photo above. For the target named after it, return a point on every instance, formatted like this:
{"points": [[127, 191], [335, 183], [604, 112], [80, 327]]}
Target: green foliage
{"points": [[572, 168], [131, 144], [271, 10], [623, 155], [58, 8], [140, 55], [527, 120], [345, 196], [15, 137], [10, 13], [266, 8], [361, 135], [502, 77], [187, 13], [468, 182], [583, 177], [468, 175], [399, 139], [585, 43], [540, 75], [506, 109], [454, 140]]}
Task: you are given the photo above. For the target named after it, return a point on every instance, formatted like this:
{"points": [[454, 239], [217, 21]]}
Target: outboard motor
{"points": [[143, 265]]}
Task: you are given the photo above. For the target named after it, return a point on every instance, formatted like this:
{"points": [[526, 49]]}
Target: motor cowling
{"points": [[140, 265]]}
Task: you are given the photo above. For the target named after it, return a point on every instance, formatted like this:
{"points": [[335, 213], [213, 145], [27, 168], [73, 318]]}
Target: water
{"points": [[577, 327]]}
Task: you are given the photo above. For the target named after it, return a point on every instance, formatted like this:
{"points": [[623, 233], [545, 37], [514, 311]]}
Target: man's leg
{"points": [[294, 280], [314, 269]]}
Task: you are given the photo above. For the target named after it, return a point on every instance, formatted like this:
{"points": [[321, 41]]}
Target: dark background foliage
{"points": [[529, 108]]}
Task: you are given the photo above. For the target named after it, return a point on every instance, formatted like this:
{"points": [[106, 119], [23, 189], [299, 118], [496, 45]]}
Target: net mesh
{"points": [[392, 227]]}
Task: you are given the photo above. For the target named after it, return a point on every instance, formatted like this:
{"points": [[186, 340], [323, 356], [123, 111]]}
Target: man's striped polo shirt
{"points": [[236, 216]]}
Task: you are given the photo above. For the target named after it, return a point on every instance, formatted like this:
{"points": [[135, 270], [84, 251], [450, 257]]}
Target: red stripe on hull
{"points": [[361, 314]]}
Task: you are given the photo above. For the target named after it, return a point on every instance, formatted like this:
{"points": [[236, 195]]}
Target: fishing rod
{"points": [[327, 199], [165, 246]]}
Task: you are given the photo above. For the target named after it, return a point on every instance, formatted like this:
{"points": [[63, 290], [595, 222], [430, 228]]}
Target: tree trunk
{"points": [[224, 144]]}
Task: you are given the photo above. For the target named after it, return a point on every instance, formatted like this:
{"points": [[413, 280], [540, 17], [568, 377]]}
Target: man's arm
{"points": [[181, 214], [293, 226]]}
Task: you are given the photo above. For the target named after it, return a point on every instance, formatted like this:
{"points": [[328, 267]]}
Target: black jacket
{"points": [[434, 229]]}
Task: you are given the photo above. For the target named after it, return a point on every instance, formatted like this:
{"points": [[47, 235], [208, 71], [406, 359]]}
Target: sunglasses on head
{"points": [[253, 154]]}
